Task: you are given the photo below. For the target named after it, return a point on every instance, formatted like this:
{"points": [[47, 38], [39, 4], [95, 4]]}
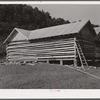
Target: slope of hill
{"points": [[45, 76]]}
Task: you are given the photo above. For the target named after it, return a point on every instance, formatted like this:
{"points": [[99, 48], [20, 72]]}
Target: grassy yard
{"points": [[45, 76]]}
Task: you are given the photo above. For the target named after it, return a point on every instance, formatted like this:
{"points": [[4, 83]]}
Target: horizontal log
{"points": [[45, 42], [36, 48], [43, 50], [52, 53], [52, 49], [39, 52], [43, 59], [49, 45], [17, 42], [48, 57]]}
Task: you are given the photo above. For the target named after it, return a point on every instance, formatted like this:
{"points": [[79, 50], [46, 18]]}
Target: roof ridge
{"points": [[64, 29], [60, 25]]}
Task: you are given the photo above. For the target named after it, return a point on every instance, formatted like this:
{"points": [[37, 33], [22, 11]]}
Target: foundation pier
{"points": [[61, 62], [47, 61], [75, 62]]}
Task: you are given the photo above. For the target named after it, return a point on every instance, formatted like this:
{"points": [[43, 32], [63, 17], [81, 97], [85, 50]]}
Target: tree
{"points": [[25, 17]]}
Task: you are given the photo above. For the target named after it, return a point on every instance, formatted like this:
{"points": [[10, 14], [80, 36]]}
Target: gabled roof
{"points": [[59, 30], [25, 33]]}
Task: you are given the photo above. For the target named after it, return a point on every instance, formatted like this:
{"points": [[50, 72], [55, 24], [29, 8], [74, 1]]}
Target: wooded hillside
{"points": [[25, 17]]}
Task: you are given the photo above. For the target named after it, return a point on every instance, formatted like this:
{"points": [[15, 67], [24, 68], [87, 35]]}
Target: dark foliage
{"points": [[25, 17]]}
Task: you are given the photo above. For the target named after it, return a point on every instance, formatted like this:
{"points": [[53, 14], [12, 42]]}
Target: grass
{"points": [[45, 76]]}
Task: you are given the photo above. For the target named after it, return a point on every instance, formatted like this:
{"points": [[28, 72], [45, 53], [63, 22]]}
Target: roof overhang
{"points": [[12, 33]]}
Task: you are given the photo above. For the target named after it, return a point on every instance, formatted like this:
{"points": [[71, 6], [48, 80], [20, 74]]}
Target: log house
{"points": [[52, 44]]}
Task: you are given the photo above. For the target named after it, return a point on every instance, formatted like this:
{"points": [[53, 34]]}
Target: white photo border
{"points": [[48, 93]]}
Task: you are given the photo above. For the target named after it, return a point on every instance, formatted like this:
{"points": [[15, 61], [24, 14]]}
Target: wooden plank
{"points": [[55, 49], [43, 50], [49, 45], [46, 42]]}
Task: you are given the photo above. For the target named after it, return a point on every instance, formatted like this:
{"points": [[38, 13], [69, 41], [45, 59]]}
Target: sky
{"points": [[73, 12]]}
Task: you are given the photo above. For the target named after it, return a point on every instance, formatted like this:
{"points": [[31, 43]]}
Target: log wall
{"points": [[53, 49], [87, 41]]}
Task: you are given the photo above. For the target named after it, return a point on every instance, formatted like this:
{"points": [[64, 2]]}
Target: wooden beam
{"points": [[75, 59]]}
